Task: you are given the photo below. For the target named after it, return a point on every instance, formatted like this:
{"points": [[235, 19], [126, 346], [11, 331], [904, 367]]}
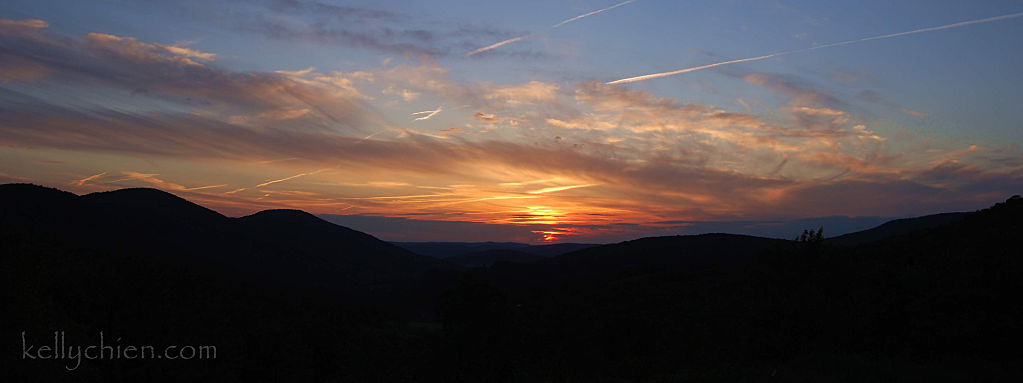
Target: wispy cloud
{"points": [[181, 76], [352, 26], [131, 47], [764, 57], [159, 183], [28, 24], [560, 188], [912, 112]]}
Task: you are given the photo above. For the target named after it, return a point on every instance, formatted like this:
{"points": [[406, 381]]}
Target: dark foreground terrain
{"points": [[285, 296]]}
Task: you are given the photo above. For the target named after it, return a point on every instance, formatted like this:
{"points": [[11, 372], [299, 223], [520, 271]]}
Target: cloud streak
{"points": [[848, 42]]}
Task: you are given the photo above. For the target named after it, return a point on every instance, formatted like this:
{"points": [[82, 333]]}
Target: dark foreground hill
{"points": [[273, 243], [287, 297], [280, 293]]}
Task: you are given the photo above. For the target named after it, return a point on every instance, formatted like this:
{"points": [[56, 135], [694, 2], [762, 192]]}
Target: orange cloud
{"points": [[913, 112], [143, 51], [486, 117], [528, 93]]}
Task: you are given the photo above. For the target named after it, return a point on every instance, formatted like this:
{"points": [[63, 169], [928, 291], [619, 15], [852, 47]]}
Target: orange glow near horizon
{"points": [[555, 233], [545, 201]]}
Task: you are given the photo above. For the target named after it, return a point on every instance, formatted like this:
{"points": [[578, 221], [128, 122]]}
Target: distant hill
{"points": [[450, 249], [444, 250], [895, 228], [527, 254], [645, 254], [487, 258], [556, 249]]}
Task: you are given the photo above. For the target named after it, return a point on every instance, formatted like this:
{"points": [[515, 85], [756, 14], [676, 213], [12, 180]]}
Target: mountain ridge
{"points": [[136, 219]]}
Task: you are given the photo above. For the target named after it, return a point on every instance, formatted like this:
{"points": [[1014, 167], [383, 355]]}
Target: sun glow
{"points": [[554, 234]]}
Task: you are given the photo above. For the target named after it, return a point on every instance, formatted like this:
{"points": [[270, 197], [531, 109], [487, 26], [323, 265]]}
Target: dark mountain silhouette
{"points": [[35, 209], [140, 203], [286, 296], [336, 253], [278, 292], [279, 244], [895, 228]]}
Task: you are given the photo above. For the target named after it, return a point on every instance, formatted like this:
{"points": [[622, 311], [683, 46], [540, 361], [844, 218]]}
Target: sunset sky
{"points": [[536, 118]]}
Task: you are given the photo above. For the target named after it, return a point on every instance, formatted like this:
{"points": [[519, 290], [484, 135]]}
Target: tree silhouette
{"points": [[811, 237]]}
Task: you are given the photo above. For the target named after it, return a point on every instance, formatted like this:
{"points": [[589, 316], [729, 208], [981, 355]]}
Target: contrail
{"points": [[592, 13], [495, 45], [368, 137], [555, 26], [87, 179], [204, 187], [693, 69], [931, 29], [286, 179], [888, 36], [428, 114]]}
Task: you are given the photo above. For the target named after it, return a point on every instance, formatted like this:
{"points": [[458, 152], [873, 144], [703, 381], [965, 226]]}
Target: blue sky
{"points": [[376, 108]]}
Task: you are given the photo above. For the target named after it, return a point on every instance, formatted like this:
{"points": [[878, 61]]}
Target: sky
{"points": [[530, 121]]}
